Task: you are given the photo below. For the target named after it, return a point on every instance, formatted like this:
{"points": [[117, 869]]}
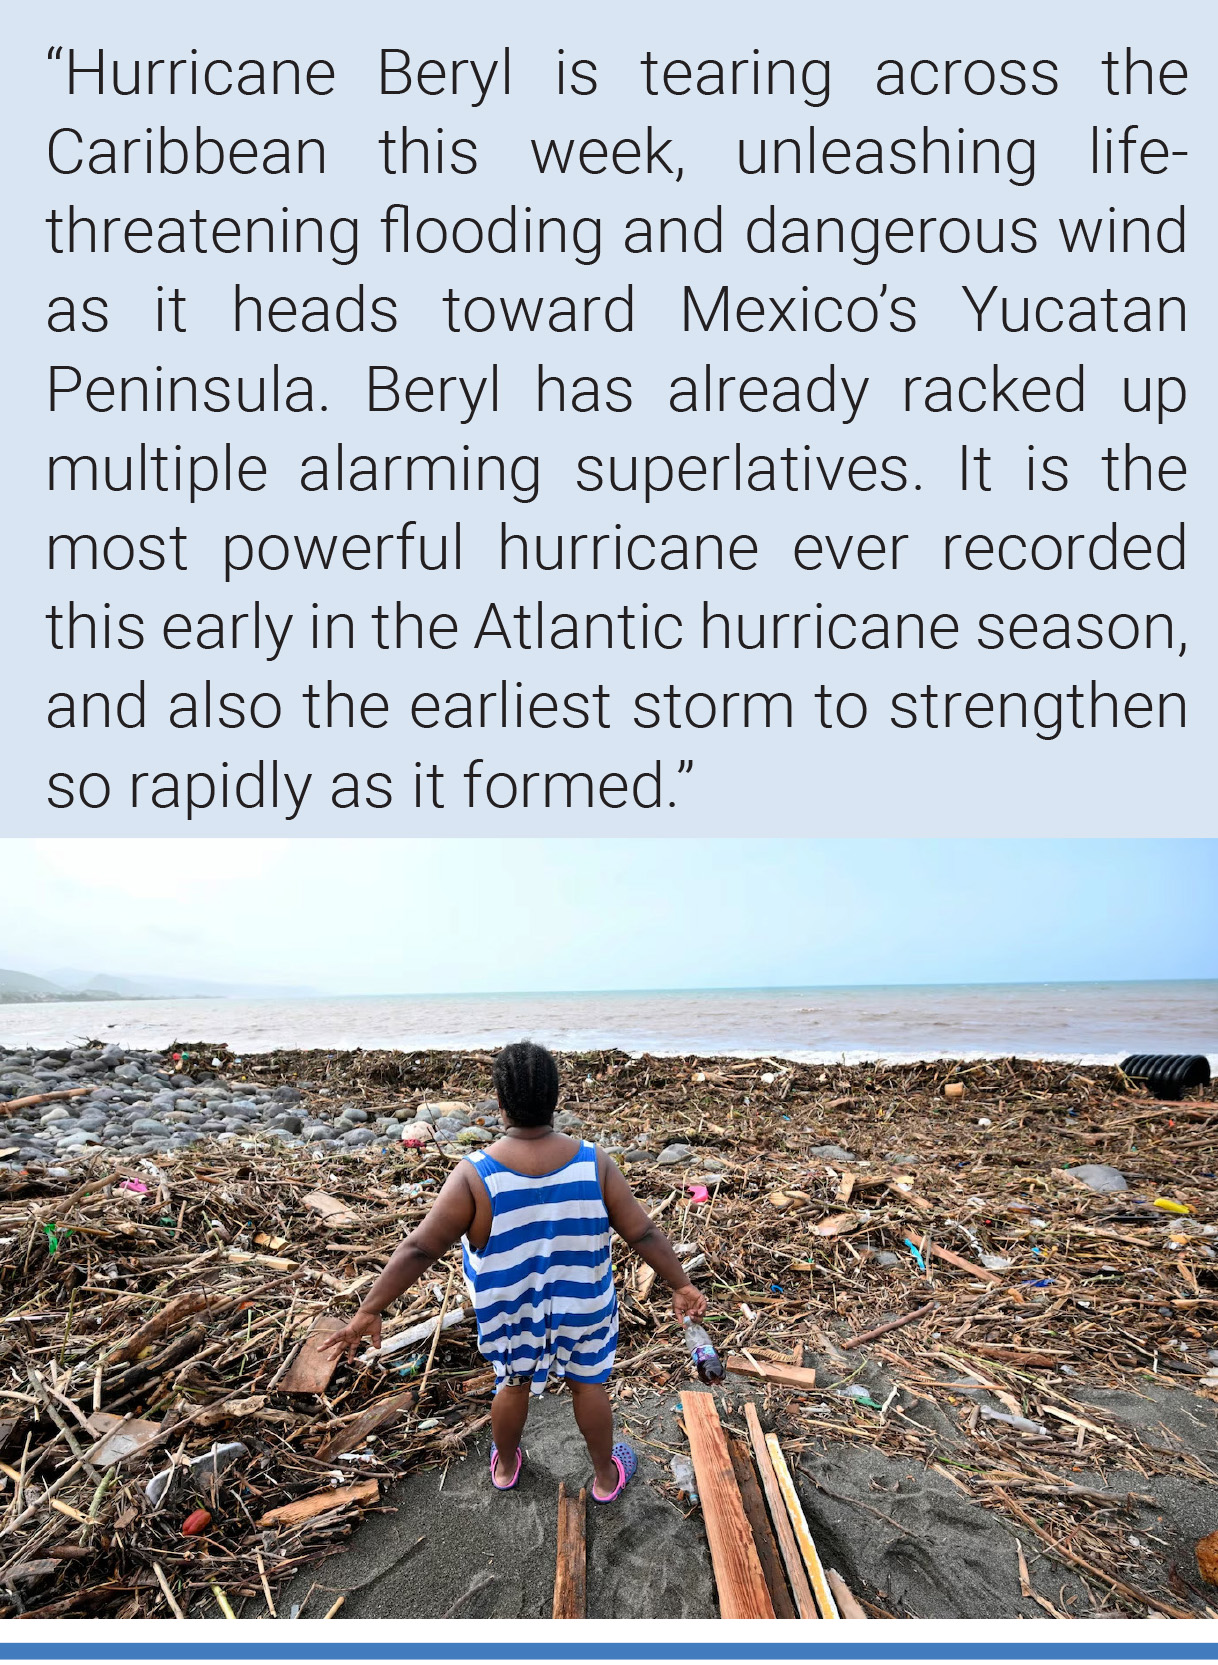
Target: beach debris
{"points": [[310, 1371], [683, 1475], [207, 1466], [198, 1520], [570, 1570], [1098, 1176], [336, 1214], [953, 1089], [741, 1584], [190, 1266], [764, 1540], [322, 1503], [803, 1535], [801, 1590]]}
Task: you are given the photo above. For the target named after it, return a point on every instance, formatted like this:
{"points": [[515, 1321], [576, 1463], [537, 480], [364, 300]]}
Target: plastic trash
{"points": [[196, 1472], [996, 1263], [916, 1253], [706, 1361], [196, 1521], [698, 1193], [1170, 1207], [683, 1473], [859, 1394], [1020, 1422], [1099, 1176], [1168, 1074]]}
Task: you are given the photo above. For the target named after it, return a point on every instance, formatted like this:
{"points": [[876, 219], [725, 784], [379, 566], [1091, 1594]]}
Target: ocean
{"points": [[1082, 1022]]}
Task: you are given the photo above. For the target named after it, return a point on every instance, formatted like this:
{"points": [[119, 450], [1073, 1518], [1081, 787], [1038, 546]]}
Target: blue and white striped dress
{"points": [[542, 1288]]}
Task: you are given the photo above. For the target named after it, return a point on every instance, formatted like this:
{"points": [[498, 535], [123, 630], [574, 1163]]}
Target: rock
{"points": [[474, 1136], [566, 1119], [902, 1159], [287, 1095], [637, 1156], [671, 1155], [885, 1257], [290, 1124], [353, 1113], [417, 1133], [356, 1136], [148, 1128], [832, 1153], [404, 1113], [1099, 1176]]}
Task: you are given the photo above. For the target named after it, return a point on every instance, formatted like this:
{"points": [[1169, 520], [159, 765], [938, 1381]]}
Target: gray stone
{"points": [[637, 1156], [290, 1124], [566, 1119], [474, 1136], [359, 1136], [287, 1095], [148, 1127], [832, 1153], [1099, 1176], [352, 1113], [671, 1155]]}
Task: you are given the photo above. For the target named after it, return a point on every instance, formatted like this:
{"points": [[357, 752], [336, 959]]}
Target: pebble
{"points": [[671, 1155], [832, 1153]]}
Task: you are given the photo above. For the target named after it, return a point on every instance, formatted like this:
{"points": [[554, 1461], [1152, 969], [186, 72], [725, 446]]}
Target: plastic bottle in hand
{"points": [[706, 1361]]}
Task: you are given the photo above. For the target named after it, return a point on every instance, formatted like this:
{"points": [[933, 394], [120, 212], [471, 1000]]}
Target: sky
{"points": [[383, 916]]}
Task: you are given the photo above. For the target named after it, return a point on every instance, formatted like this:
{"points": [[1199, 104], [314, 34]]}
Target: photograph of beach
{"points": [[653, 1229]]}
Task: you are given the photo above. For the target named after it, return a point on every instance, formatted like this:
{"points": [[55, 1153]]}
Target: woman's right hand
{"points": [[345, 1341], [688, 1302]]}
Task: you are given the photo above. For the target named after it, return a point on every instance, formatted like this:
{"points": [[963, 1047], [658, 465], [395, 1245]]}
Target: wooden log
{"points": [[321, 1503], [803, 1534], [11, 1104], [805, 1602], [312, 1369], [781, 1375], [570, 1571], [743, 1593], [763, 1534]]}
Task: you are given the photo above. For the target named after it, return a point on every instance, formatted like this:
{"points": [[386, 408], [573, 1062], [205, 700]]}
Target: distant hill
{"points": [[20, 982]]}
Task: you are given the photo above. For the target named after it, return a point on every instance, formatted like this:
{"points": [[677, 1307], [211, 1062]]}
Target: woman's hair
{"points": [[526, 1079]]}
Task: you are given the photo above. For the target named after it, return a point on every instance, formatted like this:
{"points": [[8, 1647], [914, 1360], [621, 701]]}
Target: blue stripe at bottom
{"points": [[693, 1651]]}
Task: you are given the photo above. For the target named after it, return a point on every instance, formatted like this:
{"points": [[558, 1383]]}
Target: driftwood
{"points": [[570, 1571], [743, 1593], [805, 1602]]}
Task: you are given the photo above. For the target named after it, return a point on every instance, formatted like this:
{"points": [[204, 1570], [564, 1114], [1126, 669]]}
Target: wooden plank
{"points": [[321, 1503], [570, 1571], [311, 1369], [781, 1375], [763, 1535], [805, 1602], [738, 1576], [803, 1534], [847, 1602]]}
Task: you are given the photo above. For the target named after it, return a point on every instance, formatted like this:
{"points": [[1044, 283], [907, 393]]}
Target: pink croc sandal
{"points": [[625, 1461], [511, 1485]]}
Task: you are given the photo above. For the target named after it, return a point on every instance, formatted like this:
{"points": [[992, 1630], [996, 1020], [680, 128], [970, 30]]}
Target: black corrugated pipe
{"points": [[1168, 1074]]}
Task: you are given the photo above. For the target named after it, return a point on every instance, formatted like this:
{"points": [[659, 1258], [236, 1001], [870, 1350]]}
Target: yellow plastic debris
{"points": [[1170, 1207]]}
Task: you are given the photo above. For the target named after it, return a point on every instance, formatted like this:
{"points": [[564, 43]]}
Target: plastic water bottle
{"points": [[706, 1361], [683, 1474]]}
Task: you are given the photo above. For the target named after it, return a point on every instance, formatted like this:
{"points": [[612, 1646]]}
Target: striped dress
{"points": [[542, 1288]]}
